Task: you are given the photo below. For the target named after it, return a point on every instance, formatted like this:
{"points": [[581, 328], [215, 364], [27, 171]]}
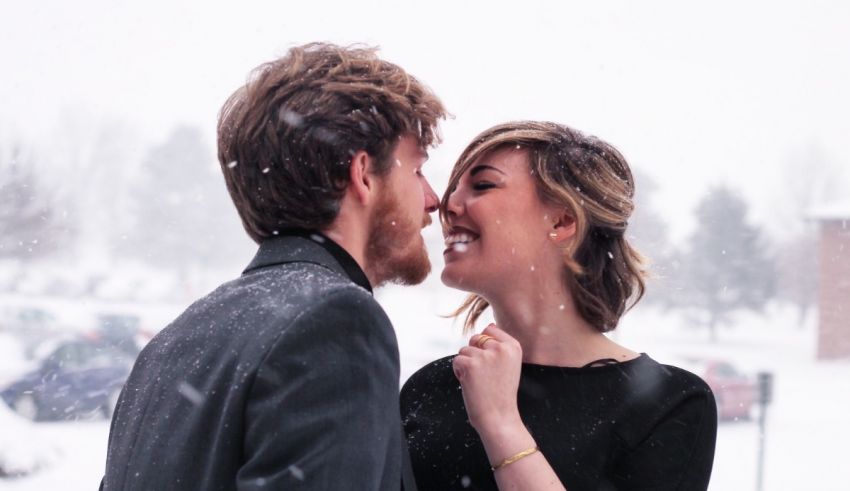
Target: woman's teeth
{"points": [[459, 241]]}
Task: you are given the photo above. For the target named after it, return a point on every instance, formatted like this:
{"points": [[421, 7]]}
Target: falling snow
{"points": [[807, 427], [192, 394], [291, 118], [296, 472]]}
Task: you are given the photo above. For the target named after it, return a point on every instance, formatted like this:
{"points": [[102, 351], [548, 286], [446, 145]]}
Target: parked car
{"points": [[80, 378], [30, 323], [121, 330], [735, 392]]}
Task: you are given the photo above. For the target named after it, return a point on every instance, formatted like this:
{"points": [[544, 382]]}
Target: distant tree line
{"points": [[165, 206], [728, 264], [173, 212]]}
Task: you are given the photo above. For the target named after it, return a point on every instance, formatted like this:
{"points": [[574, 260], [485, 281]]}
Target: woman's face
{"points": [[498, 227]]}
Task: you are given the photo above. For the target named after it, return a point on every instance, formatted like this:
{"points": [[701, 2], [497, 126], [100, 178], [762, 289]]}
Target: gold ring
{"points": [[482, 340]]}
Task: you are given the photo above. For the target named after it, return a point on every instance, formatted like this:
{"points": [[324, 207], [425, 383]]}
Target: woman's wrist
{"points": [[497, 421], [505, 438]]}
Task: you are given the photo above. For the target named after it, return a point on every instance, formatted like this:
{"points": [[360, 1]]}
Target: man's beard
{"points": [[395, 252]]}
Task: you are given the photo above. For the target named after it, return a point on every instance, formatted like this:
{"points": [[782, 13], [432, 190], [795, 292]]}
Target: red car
{"points": [[735, 392]]}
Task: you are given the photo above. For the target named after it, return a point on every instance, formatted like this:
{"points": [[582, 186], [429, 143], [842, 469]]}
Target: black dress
{"points": [[631, 425]]}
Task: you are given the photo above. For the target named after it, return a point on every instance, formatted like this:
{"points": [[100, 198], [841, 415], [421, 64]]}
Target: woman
{"points": [[534, 220]]}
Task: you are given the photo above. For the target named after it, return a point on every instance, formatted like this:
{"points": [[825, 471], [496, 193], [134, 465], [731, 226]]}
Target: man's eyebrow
{"points": [[482, 167]]}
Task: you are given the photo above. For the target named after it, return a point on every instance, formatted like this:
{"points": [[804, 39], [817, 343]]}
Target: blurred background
{"points": [[734, 116]]}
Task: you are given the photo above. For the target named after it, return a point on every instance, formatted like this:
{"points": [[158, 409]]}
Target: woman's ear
{"points": [[361, 180], [564, 227]]}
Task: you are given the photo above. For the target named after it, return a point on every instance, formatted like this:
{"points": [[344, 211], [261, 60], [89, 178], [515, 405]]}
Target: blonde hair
{"points": [[593, 182]]}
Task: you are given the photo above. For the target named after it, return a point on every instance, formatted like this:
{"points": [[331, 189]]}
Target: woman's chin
{"points": [[448, 279], [453, 280]]}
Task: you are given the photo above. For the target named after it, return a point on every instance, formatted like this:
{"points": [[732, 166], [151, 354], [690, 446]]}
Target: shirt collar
{"points": [[352, 269], [281, 249]]}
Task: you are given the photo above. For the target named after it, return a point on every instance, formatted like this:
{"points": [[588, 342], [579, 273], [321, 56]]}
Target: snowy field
{"points": [[807, 426]]}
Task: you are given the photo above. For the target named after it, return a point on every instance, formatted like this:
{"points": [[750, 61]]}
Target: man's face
{"points": [[395, 251]]}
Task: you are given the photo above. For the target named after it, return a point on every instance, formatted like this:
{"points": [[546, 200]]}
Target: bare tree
{"points": [[810, 178], [33, 222], [650, 234]]}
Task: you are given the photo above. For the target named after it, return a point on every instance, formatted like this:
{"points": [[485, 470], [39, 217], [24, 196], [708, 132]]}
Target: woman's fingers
{"points": [[502, 337], [459, 372], [488, 369], [498, 334], [489, 334], [480, 340], [467, 351], [463, 363], [477, 339]]}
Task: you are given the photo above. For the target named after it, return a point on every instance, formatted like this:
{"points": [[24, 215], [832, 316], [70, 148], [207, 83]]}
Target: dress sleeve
{"points": [[677, 454], [323, 409]]}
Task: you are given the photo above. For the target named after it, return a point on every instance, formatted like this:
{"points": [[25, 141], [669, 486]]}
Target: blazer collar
{"points": [[295, 246]]}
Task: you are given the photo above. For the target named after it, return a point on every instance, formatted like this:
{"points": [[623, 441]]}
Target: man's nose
{"points": [[432, 202]]}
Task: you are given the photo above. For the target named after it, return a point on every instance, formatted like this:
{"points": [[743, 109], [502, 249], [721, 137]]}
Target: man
{"points": [[287, 377]]}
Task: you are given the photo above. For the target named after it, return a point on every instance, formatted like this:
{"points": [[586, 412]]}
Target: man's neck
{"points": [[353, 239]]}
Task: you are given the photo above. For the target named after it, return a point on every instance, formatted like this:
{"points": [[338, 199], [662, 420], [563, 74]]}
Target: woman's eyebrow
{"points": [[483, 167]]}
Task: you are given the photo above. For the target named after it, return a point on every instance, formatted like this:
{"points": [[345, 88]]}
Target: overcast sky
{"points": [[692, 93]]}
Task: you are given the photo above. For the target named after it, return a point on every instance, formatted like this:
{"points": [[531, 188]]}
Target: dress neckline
{"points": [[608, 365]]}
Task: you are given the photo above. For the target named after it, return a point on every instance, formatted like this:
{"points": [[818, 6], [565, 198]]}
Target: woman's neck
{"points": [[550, 330]]}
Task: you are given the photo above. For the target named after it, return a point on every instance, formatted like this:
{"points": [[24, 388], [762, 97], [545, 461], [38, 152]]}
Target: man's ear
{"points": [[362, 183]]}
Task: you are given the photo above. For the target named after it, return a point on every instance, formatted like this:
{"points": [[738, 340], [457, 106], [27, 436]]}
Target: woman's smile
{"points": [[458, 240]]}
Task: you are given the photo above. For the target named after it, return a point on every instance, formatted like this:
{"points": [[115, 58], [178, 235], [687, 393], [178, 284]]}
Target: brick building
{"points": [[834, 282]]}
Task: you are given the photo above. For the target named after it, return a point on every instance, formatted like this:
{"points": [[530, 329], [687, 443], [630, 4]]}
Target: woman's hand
{"points": [[488, 370]]}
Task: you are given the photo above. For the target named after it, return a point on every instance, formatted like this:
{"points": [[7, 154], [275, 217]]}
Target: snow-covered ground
{"points": [[806, 427]]}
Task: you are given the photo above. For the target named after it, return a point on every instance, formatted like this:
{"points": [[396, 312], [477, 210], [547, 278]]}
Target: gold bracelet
{"points": [[513, 458]]}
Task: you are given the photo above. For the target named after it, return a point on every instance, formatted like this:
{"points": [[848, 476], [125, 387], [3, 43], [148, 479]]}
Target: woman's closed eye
{"points": [[483, 185]]}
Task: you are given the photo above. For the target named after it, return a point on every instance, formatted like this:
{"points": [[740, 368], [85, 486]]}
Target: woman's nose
{"points": [[454, 204]]}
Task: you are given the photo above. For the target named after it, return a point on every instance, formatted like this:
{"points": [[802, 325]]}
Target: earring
{"points": [[553, 235]]}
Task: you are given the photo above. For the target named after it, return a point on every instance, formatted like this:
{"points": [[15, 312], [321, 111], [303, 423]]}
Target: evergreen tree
{"points": [[727, 266], [182, 215]]}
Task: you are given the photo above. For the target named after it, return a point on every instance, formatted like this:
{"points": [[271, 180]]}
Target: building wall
{"points": [[834, 290]]}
